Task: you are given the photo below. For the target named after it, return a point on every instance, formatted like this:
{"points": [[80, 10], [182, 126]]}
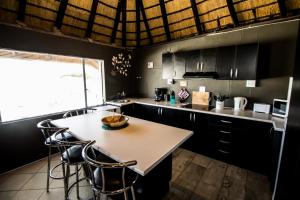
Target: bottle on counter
{"points": [[172, 97]]}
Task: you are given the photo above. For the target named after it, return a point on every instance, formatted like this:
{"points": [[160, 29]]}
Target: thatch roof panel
{"points": [[213, 16]]}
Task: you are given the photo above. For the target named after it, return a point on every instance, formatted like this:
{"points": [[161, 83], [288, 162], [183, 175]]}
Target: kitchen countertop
{"points": [[278, 123]]}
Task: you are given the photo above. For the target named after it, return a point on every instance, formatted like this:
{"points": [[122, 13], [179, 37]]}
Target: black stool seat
{"points": [[113, 178], [53, 141], [74, 154]]}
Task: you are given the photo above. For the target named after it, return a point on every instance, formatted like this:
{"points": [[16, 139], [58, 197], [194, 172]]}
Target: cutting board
{"points": [[201, 98]]}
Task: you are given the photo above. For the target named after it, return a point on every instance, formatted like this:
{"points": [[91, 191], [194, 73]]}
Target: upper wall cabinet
{"points": [[173, 65], [237, 62], [203, 60], [226, 62], [246, 62], [230, 63]]}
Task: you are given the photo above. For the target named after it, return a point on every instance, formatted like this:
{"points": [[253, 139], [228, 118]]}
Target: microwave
{"points": [[280, 107]]}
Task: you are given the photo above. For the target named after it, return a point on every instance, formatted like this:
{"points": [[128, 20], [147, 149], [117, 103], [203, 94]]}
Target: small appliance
{"points": [[261, 108], [240, 103], [280, 107], [160, 94]]}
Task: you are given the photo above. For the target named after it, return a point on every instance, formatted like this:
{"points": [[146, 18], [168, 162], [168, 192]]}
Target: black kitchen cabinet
{"points": [[128, 110], [167, 65], [179, 65], [245, 143], [173, 65], [246, 62], [192, 61], [225, 62], [276, 146], [208, 60]]}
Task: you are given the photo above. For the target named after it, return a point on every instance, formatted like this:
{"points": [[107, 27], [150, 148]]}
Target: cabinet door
{"points": [[225, 62], [246, 62], [192, 61], [147, 112], [179, 65], [167, 66], [208, 60], [128, 110]]}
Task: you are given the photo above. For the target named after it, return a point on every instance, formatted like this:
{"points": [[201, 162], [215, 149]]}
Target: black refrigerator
{"points": [[288, 185]]}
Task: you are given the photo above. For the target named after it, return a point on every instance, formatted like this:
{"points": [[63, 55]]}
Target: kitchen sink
{"points": [[122, 100]]}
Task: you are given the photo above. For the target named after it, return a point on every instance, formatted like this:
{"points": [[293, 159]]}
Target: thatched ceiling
{"points": [[134, 23]]}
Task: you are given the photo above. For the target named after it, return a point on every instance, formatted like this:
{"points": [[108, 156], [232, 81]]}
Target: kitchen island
{"points": [[150, 144]]}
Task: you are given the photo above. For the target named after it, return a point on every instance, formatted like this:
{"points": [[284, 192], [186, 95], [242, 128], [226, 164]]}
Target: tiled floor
{"points": [[195, 177]]}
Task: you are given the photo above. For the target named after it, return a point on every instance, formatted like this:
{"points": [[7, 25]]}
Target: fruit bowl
{"points": [[115, 121]]}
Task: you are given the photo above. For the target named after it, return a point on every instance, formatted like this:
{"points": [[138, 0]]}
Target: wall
{"points": [[21, 142], [281, 39]]}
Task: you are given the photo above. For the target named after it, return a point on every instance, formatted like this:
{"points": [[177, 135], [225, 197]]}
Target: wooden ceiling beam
{"points": [[116, 22], [124, 19], [196, 16], [138, 23], [61, 13], [145, 21], [232, 13], [282, 8], [21, 11], [91, 21], [165, 19]]}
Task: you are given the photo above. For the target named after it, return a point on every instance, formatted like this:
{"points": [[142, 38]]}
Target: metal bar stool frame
{"points": [[63, 146], [78, 112], [102, 165]]}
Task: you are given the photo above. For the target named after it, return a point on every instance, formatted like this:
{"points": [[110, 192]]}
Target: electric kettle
{"points": [[240, 103]]}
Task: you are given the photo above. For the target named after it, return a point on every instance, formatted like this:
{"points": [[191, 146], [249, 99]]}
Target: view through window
{"points": [[39, 84]]}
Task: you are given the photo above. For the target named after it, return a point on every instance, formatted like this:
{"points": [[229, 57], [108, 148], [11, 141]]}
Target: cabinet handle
{"points": [[231, 72], [161, 111], [225, 121], [194, 118], [236, 72], [197, 66], [201, 67], [224, 142], [226, 132], [224, 152], [190, 116], [158, 111]]}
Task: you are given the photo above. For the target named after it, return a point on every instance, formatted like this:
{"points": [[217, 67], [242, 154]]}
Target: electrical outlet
{"points": [[202, 88], [183, 83], [251, 83]]}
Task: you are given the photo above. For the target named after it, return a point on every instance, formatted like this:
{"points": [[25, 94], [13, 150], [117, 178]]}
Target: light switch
{"points": [[150, 65]]}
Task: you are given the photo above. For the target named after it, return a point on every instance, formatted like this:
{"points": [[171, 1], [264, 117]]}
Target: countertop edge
{"points": [[278, 123]]}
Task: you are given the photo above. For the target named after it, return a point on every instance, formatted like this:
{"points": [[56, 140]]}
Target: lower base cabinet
{"points": [[245, 143]]}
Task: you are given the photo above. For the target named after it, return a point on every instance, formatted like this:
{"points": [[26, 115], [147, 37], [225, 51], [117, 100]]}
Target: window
{"points": [[39, 84]]}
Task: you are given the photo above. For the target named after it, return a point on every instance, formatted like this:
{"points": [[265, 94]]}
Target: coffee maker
{"points": [[160, 93]]}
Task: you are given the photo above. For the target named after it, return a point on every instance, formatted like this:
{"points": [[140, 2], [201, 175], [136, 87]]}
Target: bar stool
{"points": [[109, 178], [79, 112], [48, 131], [71, 155]]}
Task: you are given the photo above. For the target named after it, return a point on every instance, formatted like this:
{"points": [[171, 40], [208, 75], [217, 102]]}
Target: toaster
{"points": [[261, 108]]}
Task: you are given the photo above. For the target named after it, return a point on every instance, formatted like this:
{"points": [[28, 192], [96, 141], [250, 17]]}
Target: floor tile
{"points": [[30, 168], [38, 181], [53, 194], [14, 181], [7, 195], [85, 192], [28, 194]]}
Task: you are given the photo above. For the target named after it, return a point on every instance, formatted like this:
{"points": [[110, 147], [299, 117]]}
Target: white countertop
{"points": [[278, 123], [146, 142]]}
